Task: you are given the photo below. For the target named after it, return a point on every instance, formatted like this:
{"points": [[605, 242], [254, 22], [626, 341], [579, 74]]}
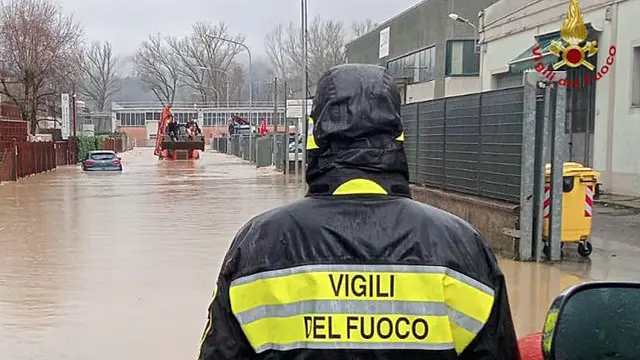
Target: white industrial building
{"points": [[604, 115]]}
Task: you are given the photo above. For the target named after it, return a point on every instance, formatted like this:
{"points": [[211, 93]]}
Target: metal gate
{"points": [[264, 151]]}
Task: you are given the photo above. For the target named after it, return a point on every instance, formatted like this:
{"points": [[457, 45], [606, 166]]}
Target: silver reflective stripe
{"points": [[420, 269], [355, 346], [409, 308]]}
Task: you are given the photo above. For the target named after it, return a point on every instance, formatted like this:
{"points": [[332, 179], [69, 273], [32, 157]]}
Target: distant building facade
{"points": [[603, 116], [140, 120], [430, 55]]}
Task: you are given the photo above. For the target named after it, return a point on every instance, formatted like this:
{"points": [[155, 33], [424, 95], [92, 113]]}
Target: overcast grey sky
{"points": [[127, 22]]}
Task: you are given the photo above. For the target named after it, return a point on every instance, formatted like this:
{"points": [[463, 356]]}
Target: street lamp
{"points": [[458, 18], [250, 84], [226, 76]]}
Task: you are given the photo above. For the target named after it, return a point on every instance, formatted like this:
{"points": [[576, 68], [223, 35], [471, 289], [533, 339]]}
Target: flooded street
{"points": [[121, 266]]}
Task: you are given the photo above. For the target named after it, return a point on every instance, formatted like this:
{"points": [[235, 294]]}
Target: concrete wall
{"points": [[510, 27], [461, 85], [135, 132], [420, 92], [489, 217], [421, 26]]}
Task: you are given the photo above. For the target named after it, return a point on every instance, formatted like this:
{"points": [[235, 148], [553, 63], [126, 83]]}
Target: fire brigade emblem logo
{"points": [[573, 33]]}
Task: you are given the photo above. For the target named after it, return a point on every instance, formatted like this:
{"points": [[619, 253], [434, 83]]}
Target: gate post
{"points": [[14, 160], [558, 156], [544, 140], [527, 188]]}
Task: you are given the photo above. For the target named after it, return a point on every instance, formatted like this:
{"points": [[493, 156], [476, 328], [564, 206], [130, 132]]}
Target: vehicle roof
{"points": [[102, 152]]}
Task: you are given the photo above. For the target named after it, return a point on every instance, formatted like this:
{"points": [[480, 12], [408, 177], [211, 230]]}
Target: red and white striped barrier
{"points": [[588, 201], [547, 201]]}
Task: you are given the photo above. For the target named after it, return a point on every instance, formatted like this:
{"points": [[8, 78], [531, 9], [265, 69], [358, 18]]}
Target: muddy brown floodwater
{"points": [[121, 266]]}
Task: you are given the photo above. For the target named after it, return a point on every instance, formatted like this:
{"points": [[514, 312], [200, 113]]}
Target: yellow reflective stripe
{"points": [[368, 290], [319, 286], [401, 137], [463, 337], [340, 331], [359, 186], [311, 140]]}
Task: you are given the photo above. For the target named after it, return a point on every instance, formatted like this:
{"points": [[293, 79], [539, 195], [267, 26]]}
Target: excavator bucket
{"points": [[196, 144], [181, 147]]}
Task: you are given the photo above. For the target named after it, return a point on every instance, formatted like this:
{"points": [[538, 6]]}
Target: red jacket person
{"points": [[356, 269]]}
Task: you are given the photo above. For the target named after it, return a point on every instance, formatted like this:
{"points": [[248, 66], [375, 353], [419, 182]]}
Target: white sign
{"points": [[66, 121], [88, 129], [294, 108], [383, 50]]}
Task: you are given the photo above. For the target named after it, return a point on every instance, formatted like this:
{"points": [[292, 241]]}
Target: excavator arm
{"points": [[162, 129]]}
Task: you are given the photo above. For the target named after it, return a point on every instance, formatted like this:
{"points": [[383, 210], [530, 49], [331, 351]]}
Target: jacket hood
{"points": [[355, 131]]}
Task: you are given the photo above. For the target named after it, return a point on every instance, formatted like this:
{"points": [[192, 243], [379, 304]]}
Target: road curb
{"points": [[617, 204]]}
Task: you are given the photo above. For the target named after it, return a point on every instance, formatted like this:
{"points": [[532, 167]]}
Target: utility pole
{"points": [[274, 136], [275, 105], [286, 132], [73, 112], [228, 87], [305, 88]]}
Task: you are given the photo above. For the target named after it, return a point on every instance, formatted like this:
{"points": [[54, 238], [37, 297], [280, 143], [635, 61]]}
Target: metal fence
{"points": [[270, 149], [22, 159], [470, 144]]}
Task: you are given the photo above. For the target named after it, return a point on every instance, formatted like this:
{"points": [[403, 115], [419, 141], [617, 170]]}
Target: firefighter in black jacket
{"points": [[358, 270]]}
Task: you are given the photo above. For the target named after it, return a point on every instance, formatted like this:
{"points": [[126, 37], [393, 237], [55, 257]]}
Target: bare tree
{"points": [[99, 74], [62, 80], [237, 80], [360, 28], [205, 60], [276, 51], [37, 41], [326, 48], [158, 67]]}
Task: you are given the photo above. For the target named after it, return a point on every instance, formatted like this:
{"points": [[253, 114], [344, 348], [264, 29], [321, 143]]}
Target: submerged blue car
{"points": [[102, 160]]}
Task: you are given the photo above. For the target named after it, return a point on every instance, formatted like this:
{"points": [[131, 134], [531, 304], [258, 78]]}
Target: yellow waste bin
{"points": [[578, 189]]}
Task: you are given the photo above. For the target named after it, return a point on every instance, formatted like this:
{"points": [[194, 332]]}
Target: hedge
{"points": [[87, 144]]}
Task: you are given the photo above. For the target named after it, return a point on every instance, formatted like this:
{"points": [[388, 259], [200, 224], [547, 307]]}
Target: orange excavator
{"points": [[179, 145]]}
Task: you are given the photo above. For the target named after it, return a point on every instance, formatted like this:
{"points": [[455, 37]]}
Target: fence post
{"points": [[417, 169], [14, 160], [478, 167], [528, 192], [444, 144], [557, 114]]}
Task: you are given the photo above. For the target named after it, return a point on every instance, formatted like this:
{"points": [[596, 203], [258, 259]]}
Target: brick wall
{"points": [[135, 132]]}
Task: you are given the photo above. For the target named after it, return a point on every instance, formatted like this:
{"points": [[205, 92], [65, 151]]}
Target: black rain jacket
{"points": [[356, 134]]}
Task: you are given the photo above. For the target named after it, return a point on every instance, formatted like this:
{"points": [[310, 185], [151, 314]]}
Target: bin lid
{"points": [[573, 169]]}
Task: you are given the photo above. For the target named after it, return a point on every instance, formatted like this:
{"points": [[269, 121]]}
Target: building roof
{"points": [[387, 22]]}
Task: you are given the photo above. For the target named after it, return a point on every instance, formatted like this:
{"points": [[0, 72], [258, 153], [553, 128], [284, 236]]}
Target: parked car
{"points": [[102, 160], [293, 146]]}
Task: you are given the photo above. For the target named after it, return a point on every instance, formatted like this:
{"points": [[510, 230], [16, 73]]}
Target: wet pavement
{"points": [[121, 266]]}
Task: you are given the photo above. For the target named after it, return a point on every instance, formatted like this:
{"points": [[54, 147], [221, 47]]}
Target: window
{"points": [[635, 91], [209, 119], [415, 67], [462, 58], [183, 117], [131, 119]]}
